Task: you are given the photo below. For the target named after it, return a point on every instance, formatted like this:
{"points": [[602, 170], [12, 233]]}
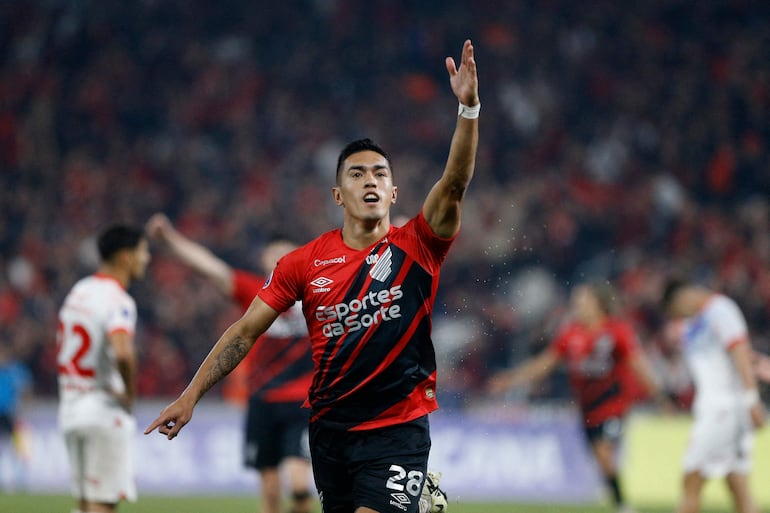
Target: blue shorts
{"points": [[382, 469]]}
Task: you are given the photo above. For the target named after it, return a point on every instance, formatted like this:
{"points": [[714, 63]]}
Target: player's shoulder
{"points": [[95, 285], [720, 304], [109, 291], [98, 295], [325, 244]]}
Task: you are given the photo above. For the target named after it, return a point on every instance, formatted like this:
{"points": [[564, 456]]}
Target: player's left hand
{"points": [[464, 80], [126, 401]]}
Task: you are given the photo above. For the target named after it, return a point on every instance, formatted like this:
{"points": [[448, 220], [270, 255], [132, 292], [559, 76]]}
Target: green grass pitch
{"points": [[30, 503]]}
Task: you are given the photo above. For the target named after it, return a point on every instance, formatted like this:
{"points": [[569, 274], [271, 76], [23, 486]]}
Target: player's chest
{"points": [[590, 348], [338, 274], [697, 336]]}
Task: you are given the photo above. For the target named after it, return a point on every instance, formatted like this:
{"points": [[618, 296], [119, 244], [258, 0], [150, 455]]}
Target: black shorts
{"points": [[6, 424], [610, 429], [382, 469], [274, 431]]}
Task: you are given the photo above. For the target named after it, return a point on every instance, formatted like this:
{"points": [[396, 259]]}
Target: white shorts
{"points": [[721, 443], [101, 462]]}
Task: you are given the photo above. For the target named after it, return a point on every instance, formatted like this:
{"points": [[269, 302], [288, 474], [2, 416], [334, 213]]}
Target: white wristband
{"points": [[750, 397], [469, 112]]}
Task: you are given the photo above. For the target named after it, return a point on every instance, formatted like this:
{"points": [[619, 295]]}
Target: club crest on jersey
{"points": [[321, 284], [381, 265]]}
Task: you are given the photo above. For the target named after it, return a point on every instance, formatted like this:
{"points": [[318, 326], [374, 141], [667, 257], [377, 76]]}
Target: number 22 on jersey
{"points": [[72, 344]]}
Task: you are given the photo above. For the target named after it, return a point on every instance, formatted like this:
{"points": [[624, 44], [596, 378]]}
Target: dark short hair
{"points": [[358, 146], [116, 237], [673, 285]]}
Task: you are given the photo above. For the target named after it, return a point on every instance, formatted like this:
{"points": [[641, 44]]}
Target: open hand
{"points": [[464, 81], [159, 227]]}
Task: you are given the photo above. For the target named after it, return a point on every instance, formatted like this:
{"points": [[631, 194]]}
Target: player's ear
{"points": [[394, 195], [337, 196]]}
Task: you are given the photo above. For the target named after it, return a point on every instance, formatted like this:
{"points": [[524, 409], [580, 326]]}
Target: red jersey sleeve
{"points": [[559, 344], [246, 285], [284, 286], [433, 249]]}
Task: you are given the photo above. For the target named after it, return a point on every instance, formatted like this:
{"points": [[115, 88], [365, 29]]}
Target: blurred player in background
{"points": [[96, 360], [605, 366], [368, 290], [278, 371], [727, 408], [15, 386]]}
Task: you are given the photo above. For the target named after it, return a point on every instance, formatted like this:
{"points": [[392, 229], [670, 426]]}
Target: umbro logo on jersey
{"points": [[321, 284]]}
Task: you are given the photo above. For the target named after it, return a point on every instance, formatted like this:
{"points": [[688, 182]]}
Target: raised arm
{"points": [[531, 371], [442, 207], [200, 258], [226, 354]]}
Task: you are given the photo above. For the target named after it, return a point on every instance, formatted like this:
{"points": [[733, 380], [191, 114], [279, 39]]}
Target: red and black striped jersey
{"points": [[279, 368], [369, 316], [598, 365]]}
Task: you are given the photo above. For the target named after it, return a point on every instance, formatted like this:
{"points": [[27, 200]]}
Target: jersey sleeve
{"points": [[121, 315], [559, 343], [246, 285], [284, 286], [434, 248], [728, 322]]}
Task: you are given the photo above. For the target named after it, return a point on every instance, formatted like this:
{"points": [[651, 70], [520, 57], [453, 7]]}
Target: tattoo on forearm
{"points": [[227, 360]]}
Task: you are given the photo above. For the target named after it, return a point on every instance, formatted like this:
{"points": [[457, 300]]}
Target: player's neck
{"points": [[595, 321], [122, 276], [360, 234]]}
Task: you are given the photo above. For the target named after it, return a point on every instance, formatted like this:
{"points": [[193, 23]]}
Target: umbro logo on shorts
{"points": [[400, 500]]}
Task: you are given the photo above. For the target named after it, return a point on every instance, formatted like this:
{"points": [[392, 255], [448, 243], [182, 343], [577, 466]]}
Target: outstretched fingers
{"points": [[464, 80], [467, 52], [451, 67]]}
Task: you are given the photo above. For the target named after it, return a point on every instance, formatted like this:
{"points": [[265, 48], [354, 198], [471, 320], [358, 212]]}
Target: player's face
{"points": [[139, 259], [365, 189], [584, 304], [679, 308]]}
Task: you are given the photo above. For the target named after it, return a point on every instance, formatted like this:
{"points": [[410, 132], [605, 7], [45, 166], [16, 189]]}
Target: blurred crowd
{"points": [[619, 141]]}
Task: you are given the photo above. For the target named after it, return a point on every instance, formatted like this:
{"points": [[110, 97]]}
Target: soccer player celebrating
{"points": [[96, 359], [367, 292], [715, 341], [604, 362], [278, 371]]}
